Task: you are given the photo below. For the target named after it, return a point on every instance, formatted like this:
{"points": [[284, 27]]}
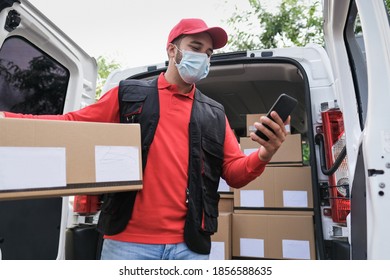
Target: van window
{"points": [[355, 46], [31, 81], [354, 39]]}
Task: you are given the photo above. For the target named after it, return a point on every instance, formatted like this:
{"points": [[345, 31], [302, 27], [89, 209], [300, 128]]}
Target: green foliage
{"points": [[105, 67], [305, 153], [293, 24], [40, 86]]}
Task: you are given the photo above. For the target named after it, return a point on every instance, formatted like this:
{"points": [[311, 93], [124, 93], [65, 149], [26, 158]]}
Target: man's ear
{"points": [[171, 50]]}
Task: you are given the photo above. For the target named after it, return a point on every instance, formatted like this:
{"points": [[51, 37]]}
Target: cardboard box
{"points": [[226, 203], [252, 118], [289, 153], [273, 236], [43, 158], [221, 241], [277, 187]]}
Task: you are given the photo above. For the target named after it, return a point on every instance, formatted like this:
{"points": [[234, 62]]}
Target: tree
{"points": [[41, 86], [294, 24], [105, 67]]}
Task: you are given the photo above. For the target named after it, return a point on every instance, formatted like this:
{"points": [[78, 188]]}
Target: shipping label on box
{"points": [[44, 158], [223, 187], [218, 251], [29, 167]]}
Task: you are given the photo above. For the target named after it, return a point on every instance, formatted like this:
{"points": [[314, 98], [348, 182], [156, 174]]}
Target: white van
{"points": [[343, 92]]}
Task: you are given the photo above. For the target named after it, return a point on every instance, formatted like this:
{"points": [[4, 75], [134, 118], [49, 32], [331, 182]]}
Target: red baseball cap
{"points": [[194, 26]]}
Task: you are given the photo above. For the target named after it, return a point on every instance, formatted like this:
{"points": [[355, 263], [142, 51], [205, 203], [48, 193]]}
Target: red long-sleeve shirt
{"points": [[160, 207]]}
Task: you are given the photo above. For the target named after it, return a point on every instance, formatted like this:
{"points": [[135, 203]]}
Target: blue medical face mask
{"points": [[193, 66]]}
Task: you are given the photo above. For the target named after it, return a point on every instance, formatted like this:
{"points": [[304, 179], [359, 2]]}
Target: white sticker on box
{"points": [[217, 250], [117, 163], [295, 199], [252, 128], [249, 151], [296, 249], [223, 186], [251, 247], [32, 167], [251, 198]]}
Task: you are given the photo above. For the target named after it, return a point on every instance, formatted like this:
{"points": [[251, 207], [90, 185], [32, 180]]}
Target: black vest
{"points": [[139, 103]]}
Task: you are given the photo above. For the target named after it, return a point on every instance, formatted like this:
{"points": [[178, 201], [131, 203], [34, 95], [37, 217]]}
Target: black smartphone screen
{"points": [[284, 105]]}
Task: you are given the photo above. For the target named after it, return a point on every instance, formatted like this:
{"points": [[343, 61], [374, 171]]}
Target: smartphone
{"points": [[284, 105]]}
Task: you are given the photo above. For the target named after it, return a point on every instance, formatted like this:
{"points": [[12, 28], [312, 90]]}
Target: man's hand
{"points": [[276, 138], [2, 115]]}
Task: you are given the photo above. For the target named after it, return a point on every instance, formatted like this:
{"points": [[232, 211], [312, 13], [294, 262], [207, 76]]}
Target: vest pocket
{"points": [[210, 218], [212, 158], [109, 205], [116, 212], [132, 107], [115, 203]]}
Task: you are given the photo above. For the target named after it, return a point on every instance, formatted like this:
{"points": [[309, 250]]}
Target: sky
{"points": [[131, 32]]}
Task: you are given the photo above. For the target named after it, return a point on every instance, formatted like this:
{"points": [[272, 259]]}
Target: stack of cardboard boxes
{"points": [[272, 216], [221, 246]]}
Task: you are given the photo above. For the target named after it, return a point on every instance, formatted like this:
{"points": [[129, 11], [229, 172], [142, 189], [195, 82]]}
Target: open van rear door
{"points": [[42, 71], [357, 38]]}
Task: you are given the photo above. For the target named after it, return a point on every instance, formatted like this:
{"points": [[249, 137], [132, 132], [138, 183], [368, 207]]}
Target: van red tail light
{"points": [[333, 129], [86, 205]]}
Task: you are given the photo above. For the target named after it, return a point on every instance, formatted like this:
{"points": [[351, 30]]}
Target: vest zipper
{"points": [[130, 119]]}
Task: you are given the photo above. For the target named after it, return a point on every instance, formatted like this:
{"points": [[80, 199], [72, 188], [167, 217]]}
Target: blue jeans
{"points": [[117, 250]]}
